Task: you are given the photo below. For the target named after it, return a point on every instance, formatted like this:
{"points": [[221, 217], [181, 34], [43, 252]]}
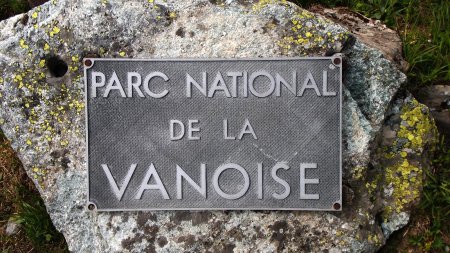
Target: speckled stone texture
{"points": [[386, 133]]}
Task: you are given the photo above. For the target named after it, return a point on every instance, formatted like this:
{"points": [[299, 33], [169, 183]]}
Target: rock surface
{"points": [[386, 133], [11, 227], [437, 98], [371, 32]]}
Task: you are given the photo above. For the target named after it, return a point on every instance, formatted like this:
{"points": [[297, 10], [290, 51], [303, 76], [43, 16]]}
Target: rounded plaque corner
{"points": [[337, 206], [336, 60], [91, 206], [88, 62]]}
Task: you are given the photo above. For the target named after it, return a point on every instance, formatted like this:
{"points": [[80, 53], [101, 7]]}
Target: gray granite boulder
{"points": [[386, 132]]}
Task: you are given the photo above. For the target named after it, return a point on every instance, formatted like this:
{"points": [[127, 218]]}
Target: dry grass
{"points": [[17, 191], [12, 175], [416, 237]]}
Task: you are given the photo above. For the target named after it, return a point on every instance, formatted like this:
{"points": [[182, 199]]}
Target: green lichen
{"points": [[55, 30], [403, 171], [415, 125], [258, 6], [306, 33], [372, 186], [406, 180], [154, 6], [35, 17], [358, 172], [48, 112], [23, 44]]}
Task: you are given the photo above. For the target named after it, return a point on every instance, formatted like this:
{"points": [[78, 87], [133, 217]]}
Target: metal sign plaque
{"points": [[214, 134]]}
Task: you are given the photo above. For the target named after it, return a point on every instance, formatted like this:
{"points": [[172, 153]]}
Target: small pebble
{"points": [[12, 227]]}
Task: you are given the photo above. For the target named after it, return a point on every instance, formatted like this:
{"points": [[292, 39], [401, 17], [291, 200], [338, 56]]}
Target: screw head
{"points": [[88, 63], [337, 61], [91, 207], [336, 206]]}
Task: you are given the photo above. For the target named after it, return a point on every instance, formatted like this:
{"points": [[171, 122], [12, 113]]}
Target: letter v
{"points": [[119, 192]]}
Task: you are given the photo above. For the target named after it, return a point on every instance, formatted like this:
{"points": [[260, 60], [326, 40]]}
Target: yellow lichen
{"points": [[17, 78], [54, 31], [374, 239], [415, 130], [415, 125], [172, 15], [405, 178], [371, 186], [49, 117], [389, 155], [42, 63], [22, 44], [358, 172], [75, 63], [261, 4], [306, 34]]}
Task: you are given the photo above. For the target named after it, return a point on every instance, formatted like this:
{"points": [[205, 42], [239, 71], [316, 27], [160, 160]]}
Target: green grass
{"points": [[21, 202], [426, 36], [436, 203], [423, 26], [36, 223], [12, 7]]}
